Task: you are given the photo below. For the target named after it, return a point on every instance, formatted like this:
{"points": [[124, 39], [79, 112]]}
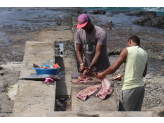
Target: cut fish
{"points": [[88, 92], [106, 89], [82, 80]]}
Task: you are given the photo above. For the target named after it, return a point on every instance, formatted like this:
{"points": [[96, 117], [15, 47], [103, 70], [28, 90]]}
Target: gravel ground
{"points": [[8, 78]]}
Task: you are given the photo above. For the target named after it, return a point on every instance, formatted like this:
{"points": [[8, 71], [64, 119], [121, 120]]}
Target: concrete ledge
{"points": [[35, 98], [58, 35], [101, 114]]}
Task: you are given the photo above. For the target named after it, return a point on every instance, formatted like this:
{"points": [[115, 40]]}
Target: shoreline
{"points": [[15, 33], [65, 23]]}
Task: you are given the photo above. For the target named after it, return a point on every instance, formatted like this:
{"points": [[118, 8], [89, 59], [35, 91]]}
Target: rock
{"points": [[158, 21], [2, 85], [79, 10], [110, 21], [142, 21], [150, 14], [118, 51], [162, 54], [151, 21], [1, 68], [99, 12], [162, 73], [12, 91], [141, 13], [1, 73], [158, 112], [81, 114], [115, 52], [117, 12]]}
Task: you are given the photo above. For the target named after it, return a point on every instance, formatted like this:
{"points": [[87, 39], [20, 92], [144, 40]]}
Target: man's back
{"points": [[134, 68]]}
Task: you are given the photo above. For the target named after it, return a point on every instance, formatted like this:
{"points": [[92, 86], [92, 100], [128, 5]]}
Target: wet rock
{"points": [[2, 85], [81, 114], [98, 12], [142, 21], [149, 21], [158, 111], [158, 21], [67, 21], [137, 13], [117, 12], [149, 18], [161, 73], [1, 68], [141, 13], [81, 11], [115, 52], [2, 74]]}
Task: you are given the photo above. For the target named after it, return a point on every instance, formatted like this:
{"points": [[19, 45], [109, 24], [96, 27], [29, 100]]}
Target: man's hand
{"points": [[100, 75], [82, 68], [87, 71], [118, 77]]}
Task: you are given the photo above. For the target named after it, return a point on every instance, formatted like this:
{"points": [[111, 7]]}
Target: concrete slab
{"points": [[35, 98], [39, 53], [100, 114], [93, 103], [70, 66], [56, 28], [60, 35]]}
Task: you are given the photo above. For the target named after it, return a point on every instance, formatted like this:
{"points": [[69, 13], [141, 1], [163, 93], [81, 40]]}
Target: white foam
{"points": [[157, 9]]}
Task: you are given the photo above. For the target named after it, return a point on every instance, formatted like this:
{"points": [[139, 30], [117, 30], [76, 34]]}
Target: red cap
{"points": [[82, 20]]}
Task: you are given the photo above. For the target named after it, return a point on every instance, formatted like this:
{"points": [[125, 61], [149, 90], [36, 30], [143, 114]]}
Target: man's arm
{"points": [[116, 65], [145, 71], [79, 56]]}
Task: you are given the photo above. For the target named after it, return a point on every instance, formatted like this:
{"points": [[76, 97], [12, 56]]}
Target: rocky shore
{"points": [[37, 24]]}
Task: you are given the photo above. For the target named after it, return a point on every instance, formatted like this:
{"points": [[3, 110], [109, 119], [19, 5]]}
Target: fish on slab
{"points": [[87, 92], [106, 89], [82, 80]]}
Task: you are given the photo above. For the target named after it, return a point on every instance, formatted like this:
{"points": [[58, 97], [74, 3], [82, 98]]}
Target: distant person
{"points": [[133, 89], [91, 41]]}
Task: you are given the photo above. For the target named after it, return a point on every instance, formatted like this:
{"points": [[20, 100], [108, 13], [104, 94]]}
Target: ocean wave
{"points": [[157, 9]]}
